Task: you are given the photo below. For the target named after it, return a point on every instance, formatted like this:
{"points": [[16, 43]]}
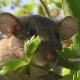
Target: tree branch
{"points": [[45, 9]]}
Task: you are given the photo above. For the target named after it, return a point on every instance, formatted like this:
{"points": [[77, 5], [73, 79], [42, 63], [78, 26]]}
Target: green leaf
{"points": [[65, 55], [5, 3], [23, 71], [65, 71], [12, 65], [16, 3], [40, 11], [32, 3], [57, 3], [19, 13], [71, 75], [28, 8], [70, 9], [31, 46], [78, 74], [67, 77]]}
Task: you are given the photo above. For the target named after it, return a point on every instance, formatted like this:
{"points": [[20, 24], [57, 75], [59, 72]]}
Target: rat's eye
{"points": [[57, 35], [31, 32]]}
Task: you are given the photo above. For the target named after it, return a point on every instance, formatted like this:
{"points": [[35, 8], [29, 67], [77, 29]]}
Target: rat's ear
{"points": [[68, 27], [8, 23]]}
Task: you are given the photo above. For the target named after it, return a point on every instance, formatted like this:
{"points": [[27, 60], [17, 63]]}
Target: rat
{"points": [[17, 30]]}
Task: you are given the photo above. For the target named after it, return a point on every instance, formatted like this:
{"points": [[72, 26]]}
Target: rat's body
{"points": [[19, 30]]}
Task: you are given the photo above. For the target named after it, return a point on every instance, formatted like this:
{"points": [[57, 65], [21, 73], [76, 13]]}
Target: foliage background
{"points": [[22, 7], [56, 8]]}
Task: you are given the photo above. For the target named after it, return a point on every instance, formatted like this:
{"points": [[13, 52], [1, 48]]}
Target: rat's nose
{"points": [[44, 54], [47, 50]]}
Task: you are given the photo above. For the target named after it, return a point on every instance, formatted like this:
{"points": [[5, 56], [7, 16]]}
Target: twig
{"points": [[74, 59], [45, 9]]}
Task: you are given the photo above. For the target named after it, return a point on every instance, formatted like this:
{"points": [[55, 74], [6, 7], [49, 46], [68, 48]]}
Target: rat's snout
{"points": [[45, 53]]}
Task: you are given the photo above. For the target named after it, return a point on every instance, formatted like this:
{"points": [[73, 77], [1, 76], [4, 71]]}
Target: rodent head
{"points": [[50, 32]]}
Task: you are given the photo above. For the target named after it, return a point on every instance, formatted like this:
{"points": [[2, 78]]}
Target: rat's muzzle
{"points": [[44, 54]]}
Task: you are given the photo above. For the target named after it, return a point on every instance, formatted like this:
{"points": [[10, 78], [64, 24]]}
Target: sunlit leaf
{"points": [[65, 71], [12, 65], [30, 47], [57, 3], [32, 3], [28, 8], [78, 75], [67, 77], [40, 11]]}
